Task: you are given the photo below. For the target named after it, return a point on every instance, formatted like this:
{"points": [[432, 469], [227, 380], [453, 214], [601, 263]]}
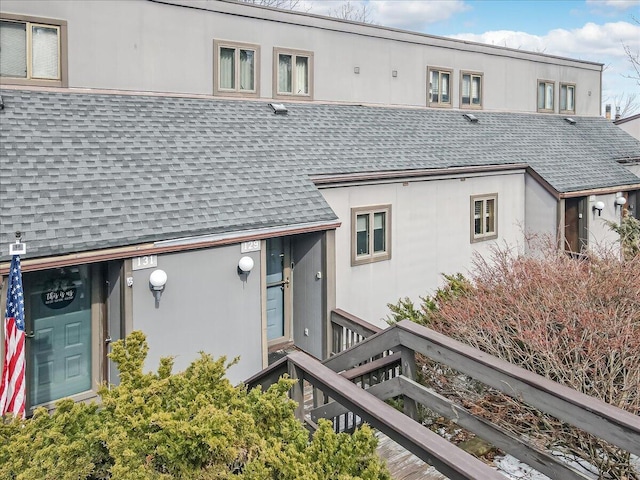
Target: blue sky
{"points": [[593, 30]]}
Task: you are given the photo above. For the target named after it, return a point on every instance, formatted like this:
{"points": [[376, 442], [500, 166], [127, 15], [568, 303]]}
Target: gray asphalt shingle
{"points": [[82, 171]]}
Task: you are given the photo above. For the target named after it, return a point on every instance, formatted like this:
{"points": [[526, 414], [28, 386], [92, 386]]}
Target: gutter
{"points": [[167, 246]]}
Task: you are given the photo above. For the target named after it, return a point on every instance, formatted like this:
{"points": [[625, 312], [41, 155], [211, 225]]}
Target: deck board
{"points": [[402, 464]]}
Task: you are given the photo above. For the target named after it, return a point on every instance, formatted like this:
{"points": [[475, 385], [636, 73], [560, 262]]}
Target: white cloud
{"points": [[598, 43], [619, 5], [413, 15], [592, 42]]}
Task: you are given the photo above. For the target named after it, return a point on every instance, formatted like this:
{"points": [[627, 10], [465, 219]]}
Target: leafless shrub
{"points": [[574, 321]]}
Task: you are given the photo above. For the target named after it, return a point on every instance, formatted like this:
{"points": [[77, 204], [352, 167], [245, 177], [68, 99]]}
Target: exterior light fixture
{"points": [[620, 200], [245, 265], [598, 206], [157, 281]]}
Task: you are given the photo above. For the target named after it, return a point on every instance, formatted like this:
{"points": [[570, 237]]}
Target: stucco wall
{"points": [[206, 306], [632, 127], [541, 214], [430, 236], [145, 46], [601, 237]]}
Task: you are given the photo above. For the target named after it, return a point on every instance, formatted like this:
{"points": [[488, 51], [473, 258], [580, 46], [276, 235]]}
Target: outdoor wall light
{"points": [[157, 281], [598, 206], [620, 200], [245, 265]]}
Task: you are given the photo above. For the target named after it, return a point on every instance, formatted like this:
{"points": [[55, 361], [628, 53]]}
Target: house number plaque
{"points": [[146, 261], [251, 246]]}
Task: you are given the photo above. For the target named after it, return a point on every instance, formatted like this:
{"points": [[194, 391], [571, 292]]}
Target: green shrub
{"points": [[191, 425], [629, 231]]}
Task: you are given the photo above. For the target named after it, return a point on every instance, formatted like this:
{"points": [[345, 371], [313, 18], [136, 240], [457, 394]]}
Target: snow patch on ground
{"points": [[514, 469]]}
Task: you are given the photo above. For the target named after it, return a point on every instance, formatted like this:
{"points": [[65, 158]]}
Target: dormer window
{"points": [[293, 71], [236, 68], [439, 94], [33, 51]]}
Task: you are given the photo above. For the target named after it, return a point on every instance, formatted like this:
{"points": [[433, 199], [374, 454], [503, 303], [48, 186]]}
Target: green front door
{"points": [[58, 311]]}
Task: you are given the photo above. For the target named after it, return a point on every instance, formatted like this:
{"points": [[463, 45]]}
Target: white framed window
{"points": [[370, 234], [440, 87], [470, 90], [546, 90], [567, 98], [293, 73], [236, 68], [33, 50], [484, 217]]}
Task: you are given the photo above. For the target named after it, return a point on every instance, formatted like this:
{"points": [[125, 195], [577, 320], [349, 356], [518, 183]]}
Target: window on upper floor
{"points": [[236, 67], [439, 87], [470, 90], [370, 234], [567, 98], [545, 95], [484, 217], [293, 74], [33, 50]]}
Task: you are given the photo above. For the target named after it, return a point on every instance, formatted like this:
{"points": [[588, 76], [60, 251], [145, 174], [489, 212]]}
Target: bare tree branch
{"points": [[283, 4], [348, 11]]}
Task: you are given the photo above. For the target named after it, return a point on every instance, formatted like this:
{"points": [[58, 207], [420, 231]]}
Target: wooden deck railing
{"points": [[382, 365], [430, 447], [347, 330]]}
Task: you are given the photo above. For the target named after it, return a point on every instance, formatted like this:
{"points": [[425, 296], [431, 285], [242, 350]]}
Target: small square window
{"points": [[236, 67], [439, 93], [484, 217], [371, 234], [471, 90], [567, 98], [33, 52], [546, 96], [293, 74]]}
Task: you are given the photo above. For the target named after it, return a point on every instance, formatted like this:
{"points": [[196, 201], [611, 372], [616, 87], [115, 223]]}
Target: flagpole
{"points": [[12, 383]]}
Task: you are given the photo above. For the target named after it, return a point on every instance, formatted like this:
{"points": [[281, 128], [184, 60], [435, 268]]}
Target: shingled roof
{"points": [[83, 171]]}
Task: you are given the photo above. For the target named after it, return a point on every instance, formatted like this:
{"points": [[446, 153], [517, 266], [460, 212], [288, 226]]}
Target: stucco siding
{"points": [[146, 46], [541, 213], [430, 235], [601, 237], [206, 306], [632, 127]]}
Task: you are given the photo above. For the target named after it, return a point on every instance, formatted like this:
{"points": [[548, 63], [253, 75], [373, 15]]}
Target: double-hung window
{"points": [[370, 234], [293, 72], [471, 90], [567, 98], [440, 87], [545, 95], [236, 69], [33, 50], [484, 217]]}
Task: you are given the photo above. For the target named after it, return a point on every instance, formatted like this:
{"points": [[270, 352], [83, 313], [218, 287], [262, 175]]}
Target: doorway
{"points": [[278, 280], [575, 228], [59, 332]]}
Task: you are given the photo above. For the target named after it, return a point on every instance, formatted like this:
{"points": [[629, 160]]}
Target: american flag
{"points": [[12, 388]]}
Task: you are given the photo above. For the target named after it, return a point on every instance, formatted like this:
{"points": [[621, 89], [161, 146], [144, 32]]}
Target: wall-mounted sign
{"points": [[251, 246], [146, 261], [59, 294]]}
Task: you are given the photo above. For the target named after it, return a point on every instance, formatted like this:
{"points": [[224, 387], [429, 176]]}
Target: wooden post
{"points": [[409, 371], [297, 392]]}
